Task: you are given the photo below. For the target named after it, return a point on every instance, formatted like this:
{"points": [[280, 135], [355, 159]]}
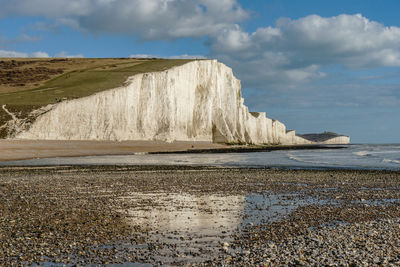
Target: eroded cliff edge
{"points": [[198, 101]]}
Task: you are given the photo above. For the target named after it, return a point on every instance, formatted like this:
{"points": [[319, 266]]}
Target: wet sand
{"points": [[30, 149], [199, 216], [12, 150]]}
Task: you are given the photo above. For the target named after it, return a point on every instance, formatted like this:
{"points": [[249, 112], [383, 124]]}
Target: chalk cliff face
{"points": [[198, 101]]}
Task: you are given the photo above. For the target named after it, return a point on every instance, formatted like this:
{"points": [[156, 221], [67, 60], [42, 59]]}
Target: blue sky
{"points": [[315, 65]]}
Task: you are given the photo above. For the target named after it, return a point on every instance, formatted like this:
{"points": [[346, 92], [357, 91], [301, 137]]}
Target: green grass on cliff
{"points": [[80, 78]]}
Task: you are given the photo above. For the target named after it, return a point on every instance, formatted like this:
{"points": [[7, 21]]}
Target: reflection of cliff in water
{"points": [[199, 227], [192, 214], [202, 214], [189, 227]]}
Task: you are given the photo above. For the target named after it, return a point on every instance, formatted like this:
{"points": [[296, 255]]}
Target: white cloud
{"points": [[142, 56], [184, 56], [151, 19], [5, 53], [38, 54], [64, 54], [294, 50]]}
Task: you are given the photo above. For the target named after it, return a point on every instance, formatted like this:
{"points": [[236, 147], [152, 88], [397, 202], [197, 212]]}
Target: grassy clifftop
{"points": [[27, 84]]}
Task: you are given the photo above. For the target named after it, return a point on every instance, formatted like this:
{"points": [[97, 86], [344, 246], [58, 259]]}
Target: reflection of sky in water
{"points": [[355, 156], [185, 223], [198, 225], [190, 222], [202, 214], [198, 222], [208, 216], [267, 208]]}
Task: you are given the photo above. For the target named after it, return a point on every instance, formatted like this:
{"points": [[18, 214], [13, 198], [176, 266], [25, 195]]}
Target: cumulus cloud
{"points": [[151, 19], [142, 56], [295, 50], [184, 56], [5, 53], [38, 54], [66, 55]]}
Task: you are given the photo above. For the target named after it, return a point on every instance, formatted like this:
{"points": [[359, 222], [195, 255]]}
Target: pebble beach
{"points": [[171, 215]]}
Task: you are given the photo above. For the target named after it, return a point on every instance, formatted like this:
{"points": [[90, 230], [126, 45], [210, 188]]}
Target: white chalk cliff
{"points": [[198, 101]]}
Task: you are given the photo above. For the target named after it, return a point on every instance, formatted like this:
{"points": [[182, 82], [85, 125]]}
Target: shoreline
{"points": [[192, 168], [14, 150], [255, 148], [189, 168]]}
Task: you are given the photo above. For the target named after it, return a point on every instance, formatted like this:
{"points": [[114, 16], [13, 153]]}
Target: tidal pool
{"points": [[185, 228]]}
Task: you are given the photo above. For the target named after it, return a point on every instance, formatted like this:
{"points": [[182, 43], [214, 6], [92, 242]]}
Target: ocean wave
{"points": [[363, 153], [376, 151], [397, 161], [140, 153], [298, 159]]}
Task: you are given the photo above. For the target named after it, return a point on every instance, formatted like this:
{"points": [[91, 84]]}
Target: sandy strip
{"points": [[30, 149]]}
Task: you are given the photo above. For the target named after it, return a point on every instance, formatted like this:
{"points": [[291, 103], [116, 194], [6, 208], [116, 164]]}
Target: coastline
{"points": [[13, 150]]}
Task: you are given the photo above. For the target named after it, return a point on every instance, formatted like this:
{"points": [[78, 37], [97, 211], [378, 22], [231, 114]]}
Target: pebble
{"points": [[73, 215]]}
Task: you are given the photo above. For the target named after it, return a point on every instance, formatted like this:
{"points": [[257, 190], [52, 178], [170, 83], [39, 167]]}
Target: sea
{"points": [[355, 156]]}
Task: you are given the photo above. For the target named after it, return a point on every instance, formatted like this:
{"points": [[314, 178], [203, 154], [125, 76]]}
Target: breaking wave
{"points": [[363, 153], [396, 161], [356, 156], [299, 159]]}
